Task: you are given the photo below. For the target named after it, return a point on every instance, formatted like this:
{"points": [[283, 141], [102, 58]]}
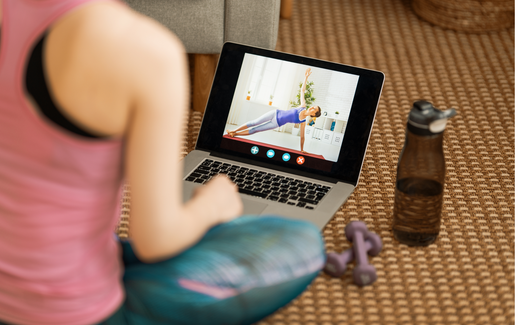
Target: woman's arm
{"points": [[164, 225], [122, 74], [303, 103], [302, 136]]}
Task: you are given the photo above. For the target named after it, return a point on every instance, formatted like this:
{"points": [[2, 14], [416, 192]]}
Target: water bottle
{"points": [[333, 125], [420, 176]]}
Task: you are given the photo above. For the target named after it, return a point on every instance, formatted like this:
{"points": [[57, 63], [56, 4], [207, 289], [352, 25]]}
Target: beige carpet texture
{"points": [[467, 276]]}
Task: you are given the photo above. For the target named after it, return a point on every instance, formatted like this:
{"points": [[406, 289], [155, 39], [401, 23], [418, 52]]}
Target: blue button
{"points": [[270, 153], [254, 150], [286, 157]]}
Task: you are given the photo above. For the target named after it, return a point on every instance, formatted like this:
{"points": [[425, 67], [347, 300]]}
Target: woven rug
{"points": [[467, 275]]}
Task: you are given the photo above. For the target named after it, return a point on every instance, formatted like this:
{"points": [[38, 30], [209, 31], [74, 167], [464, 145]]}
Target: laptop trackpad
{"points": [[253, 207]]}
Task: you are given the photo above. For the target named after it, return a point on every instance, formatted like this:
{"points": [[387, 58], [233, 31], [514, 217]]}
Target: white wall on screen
{"points": [[334, 91]]}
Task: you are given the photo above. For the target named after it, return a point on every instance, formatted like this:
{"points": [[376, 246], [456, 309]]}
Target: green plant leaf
{"points": [[309, 99]]}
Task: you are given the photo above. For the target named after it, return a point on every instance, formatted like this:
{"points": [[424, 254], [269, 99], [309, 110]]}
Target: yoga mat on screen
{"points": [[281, 149]]}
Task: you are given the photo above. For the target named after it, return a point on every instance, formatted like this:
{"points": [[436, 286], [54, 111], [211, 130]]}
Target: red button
{"points": [[300, 160]]}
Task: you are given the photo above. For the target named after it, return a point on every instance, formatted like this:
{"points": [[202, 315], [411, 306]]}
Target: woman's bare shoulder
{"points": [[99, 55], [112, 32]]}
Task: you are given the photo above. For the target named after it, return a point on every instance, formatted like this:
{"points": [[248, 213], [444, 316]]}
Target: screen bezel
{"points": [[359, 125]]}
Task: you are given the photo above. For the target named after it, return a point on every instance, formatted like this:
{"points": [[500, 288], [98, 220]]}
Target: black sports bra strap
{"points": [[37, 87]]}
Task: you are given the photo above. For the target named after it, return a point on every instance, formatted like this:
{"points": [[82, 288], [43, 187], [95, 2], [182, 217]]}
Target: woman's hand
{"points": [[221, 198], [307, 72]]}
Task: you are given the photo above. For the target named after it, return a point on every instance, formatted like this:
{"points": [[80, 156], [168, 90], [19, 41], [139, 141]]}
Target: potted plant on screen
{"points": [[248, 95], [309, 99], [271, 100]]}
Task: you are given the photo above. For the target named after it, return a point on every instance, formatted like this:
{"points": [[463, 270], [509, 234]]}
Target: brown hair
{"points": [[318, 113]]}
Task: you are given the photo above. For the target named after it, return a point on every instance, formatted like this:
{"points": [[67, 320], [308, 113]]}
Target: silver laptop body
{"points": [[337, 179]]}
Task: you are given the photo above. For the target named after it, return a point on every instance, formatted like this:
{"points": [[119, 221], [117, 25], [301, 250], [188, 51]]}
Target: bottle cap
{"points": [[424, 119]]}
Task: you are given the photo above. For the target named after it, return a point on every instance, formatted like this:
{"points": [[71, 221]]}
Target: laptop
{"points": [[254, 130]]}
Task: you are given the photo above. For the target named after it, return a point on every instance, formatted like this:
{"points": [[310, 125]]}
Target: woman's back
{"points": [[120, 75], [58, 196]]}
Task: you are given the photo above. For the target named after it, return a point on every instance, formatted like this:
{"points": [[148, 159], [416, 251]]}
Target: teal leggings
{"points": [[240, 272]]}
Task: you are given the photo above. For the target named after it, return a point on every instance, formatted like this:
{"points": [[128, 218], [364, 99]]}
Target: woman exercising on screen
{"points": [[276, 118]]}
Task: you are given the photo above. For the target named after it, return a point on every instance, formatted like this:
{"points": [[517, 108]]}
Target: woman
{"points": [[276, 118], [91, 93]]}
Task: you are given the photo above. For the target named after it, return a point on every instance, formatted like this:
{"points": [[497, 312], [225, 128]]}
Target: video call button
{"points": [[286, 157], [254, 150], [270, 153], [300, 160]]}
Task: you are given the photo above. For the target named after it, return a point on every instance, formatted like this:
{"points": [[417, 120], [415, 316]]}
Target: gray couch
{"points": [[204, 25]]}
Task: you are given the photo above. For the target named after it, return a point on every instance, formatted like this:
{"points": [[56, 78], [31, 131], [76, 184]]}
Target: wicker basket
{"points": [[467, 15]]}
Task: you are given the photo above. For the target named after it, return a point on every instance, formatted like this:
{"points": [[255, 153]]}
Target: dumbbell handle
{"points": [[349, 255], [360, 251]]}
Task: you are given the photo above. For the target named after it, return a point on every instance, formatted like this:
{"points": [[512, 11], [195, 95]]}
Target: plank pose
{"points": [[276, 118]]}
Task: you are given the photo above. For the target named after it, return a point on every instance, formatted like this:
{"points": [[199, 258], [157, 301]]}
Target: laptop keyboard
{"points": [[262, 184]]}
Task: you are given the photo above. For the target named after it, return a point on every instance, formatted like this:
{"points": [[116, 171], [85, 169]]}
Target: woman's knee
{"points": [[269, 116], [269, 249], [294, 227], [298, 238], [303, 236]]}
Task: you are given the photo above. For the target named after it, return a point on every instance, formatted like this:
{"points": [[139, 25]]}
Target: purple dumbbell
{"points": [[364, 273], [336, 263]]}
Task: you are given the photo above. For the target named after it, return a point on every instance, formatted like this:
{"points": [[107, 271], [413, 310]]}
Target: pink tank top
{"points": [[59, 196]]}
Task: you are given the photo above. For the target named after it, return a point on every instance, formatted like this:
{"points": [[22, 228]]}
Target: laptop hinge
{"points": [[278, 168]]}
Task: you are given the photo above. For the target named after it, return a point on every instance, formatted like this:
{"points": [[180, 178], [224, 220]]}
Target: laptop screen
{"points": [[290, 113], [269, 118]]}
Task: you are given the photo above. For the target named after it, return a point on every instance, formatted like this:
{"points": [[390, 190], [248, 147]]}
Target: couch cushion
{"points": [[199, 24], [252, 22]]}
